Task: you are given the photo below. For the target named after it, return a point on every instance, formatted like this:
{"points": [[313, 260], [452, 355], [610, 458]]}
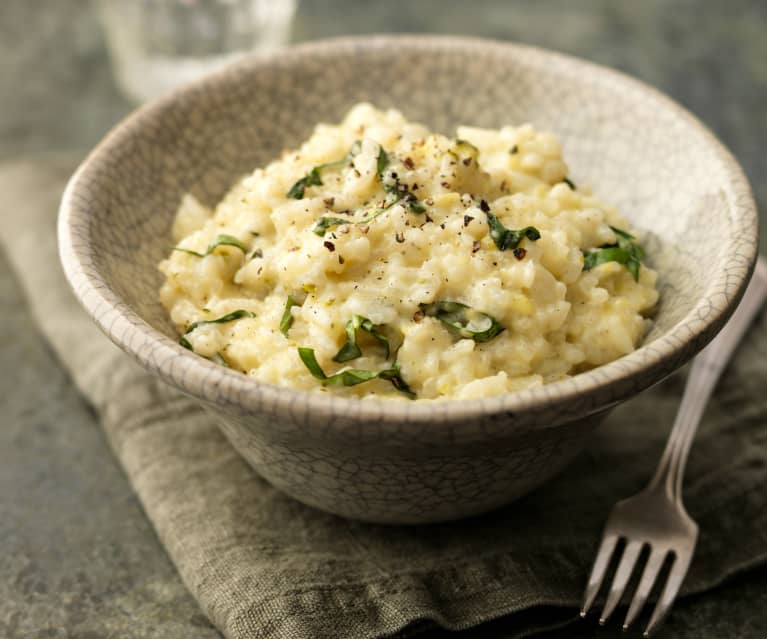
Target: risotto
{"points": [[383, 260]]}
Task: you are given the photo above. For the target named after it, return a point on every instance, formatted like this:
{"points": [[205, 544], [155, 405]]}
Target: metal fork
{"points": [[656, 517]]}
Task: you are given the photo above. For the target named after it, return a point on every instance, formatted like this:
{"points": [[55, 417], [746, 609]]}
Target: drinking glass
{"points": [[156, 45]]}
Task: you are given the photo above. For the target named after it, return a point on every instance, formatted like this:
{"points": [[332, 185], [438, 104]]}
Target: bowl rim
{"points": [[611, 382]]}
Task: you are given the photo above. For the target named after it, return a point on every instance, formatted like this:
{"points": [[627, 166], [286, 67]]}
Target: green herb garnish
{"points": [[353, 376], [287, 317], [464, 320], [625, 251], [324, 223], [514, 150], [350, 350], [416, 206], [314, 177], [221, 240], [382, 161], [570, 183], [396, 191], [507, 239], [394, 376], [230, 317], [216, 358]]}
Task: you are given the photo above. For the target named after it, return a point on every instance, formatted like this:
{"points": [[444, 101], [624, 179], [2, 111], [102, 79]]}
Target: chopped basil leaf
{"points": [[314, 177], [626, 251], [398, 192], [463, 320], [347, 378], [352, 377], [221, 240], [324, 223], [394, 376], [607, 253], [570, 183], [395, 190], [507, 239], [217, 358], [625, 239], [287, 317], [382, 161], [230, 317], [514, 150], [350, 350]]}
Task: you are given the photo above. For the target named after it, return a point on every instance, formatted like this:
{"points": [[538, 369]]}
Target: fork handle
{"points": [[704, 374]]}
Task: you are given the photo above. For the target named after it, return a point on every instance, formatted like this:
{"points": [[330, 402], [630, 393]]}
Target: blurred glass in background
{"points": [[157, 45]]}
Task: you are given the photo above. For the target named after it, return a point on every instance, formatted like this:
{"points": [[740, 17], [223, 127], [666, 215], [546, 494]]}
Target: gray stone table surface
{"points": [[77, 556]]}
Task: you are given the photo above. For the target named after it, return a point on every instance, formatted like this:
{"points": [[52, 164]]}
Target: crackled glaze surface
{"points": [[412, 461]]}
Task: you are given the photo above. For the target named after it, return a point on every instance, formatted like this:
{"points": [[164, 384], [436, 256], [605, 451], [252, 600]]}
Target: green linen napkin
{"points": [[264, 566]]}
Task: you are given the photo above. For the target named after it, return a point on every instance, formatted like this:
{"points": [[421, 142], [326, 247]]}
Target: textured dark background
{"points": [[77, 556]]}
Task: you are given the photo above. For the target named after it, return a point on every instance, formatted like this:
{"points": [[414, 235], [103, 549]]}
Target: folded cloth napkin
{"points": [[263, 565]]}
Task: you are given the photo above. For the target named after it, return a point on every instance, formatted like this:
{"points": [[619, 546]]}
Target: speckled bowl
{"points": [[407, 462]]}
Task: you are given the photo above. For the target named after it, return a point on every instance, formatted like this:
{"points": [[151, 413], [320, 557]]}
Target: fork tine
{"points": [[604, 554], [622, 576], [649, 575], [670, 590]]}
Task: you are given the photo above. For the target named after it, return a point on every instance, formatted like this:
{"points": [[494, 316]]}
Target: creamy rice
{"points": [[406, 240]]}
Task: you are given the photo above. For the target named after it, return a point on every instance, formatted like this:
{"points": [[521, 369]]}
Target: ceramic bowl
{"points": [[408, 462]]}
